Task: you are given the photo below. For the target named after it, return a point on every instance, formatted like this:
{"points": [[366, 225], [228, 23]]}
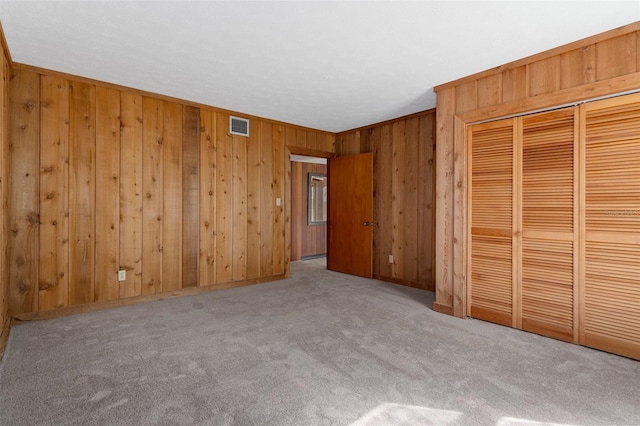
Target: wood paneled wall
{"points": [[4, 193], [306, 240], [602, 65], [403, 201], [107, 178]]}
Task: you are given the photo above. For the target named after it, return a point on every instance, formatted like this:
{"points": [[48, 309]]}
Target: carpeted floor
{"points": [[321, 348]]}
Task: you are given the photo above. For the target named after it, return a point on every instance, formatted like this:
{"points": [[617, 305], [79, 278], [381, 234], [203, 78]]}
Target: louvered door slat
{"points": [[547, 218], [491, 194], [611, 319]]}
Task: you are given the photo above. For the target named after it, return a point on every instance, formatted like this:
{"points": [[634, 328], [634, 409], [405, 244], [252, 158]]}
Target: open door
{"points": [[350, 222]]}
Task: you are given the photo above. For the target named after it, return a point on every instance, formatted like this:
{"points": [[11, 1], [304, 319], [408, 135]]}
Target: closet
{"points": [[554, 214]]}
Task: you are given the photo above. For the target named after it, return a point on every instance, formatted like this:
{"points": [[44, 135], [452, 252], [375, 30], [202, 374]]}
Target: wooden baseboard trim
{"points": [[443, 309], [414, 284], [4, 336], [91, 307]]}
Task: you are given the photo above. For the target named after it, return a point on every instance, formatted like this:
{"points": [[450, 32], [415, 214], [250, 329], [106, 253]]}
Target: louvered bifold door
{"points": [[548, 196], [610, 301], [491, 205]]}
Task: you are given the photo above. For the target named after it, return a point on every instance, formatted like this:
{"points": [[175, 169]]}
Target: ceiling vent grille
{"points": [[238, 126]]}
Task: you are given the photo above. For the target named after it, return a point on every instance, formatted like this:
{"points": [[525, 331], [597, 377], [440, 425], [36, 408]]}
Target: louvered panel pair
{"points": [[611, 297], [522, 275]]}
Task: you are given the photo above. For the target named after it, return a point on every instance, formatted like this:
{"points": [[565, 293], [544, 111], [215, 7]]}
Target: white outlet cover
{"points": [[122, 275]]}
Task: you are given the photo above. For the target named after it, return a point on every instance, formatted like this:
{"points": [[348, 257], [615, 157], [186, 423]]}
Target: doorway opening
{"points": [[309, 195]]}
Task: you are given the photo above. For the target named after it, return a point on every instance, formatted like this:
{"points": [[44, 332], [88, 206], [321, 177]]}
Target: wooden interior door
{"points": [[491, 218], [548, 263], [610, 299], [350, 221]]}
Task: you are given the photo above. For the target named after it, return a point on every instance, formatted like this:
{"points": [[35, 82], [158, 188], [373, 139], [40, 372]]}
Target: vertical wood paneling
{"points": [[466, 97], [616, 57], [190, 195], [578, 67], [131, 193], [110, 179], [278, 192], [426, 169], [54, 201], [107, 213], [267, 201], [5, 171], [384, 200], [239, 220], [297, 212], [397, 201], [152, 184], [172, 196], [254, 185], [23, 197], [514, 84], [82, 180], [544, 76], [410, 258], [224, 200], [489, 90], [208, 161]]}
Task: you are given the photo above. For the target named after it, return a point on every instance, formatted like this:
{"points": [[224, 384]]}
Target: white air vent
{"points": [[238, 126]]}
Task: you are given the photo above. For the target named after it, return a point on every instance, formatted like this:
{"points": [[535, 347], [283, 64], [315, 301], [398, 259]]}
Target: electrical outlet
{"points": [[122, 275], [390, 258], [278, 201]]}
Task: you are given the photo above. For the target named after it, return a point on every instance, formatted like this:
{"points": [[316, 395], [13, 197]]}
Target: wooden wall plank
{"points": [[190, 195], [410, 249], [152, 205], [398, 206], [384, 195], [107, 208], [24, 204], [172, 196], [467, 96], [82, 181], [297, 214], [616, 57], [131, 193], [278, 193], [208, 161], [544, 76], [514, 84], [267, 201], [239, 218], [254, 185], [578, 67], [444, 199], [54, 202], [224, 200], [426, 169], [489, 90]]}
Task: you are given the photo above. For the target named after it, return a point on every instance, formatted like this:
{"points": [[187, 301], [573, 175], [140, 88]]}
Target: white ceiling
{"points": [[327, 65]]}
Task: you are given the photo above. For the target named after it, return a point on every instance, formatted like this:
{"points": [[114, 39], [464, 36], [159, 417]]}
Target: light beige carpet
{"points": [[321, 348]]}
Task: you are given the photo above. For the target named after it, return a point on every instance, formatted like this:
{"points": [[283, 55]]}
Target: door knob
{"points": [[368, 224]]}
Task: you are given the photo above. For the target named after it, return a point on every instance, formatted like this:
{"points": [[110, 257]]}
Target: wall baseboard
{"points": [[97, 306], [4, 336], [443, 309], [414, 284]]}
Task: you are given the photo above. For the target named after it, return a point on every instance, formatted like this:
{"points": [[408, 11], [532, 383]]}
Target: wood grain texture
{"points": [[307, 240], [172, 196], [190, 195], [602, 65], [5, 170], [131, 193], [208, 180], [403, 202], [224, 200], [54, 196], [151, 193], [107, 195], [23, 197], [152, 205], [82, 188]]}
